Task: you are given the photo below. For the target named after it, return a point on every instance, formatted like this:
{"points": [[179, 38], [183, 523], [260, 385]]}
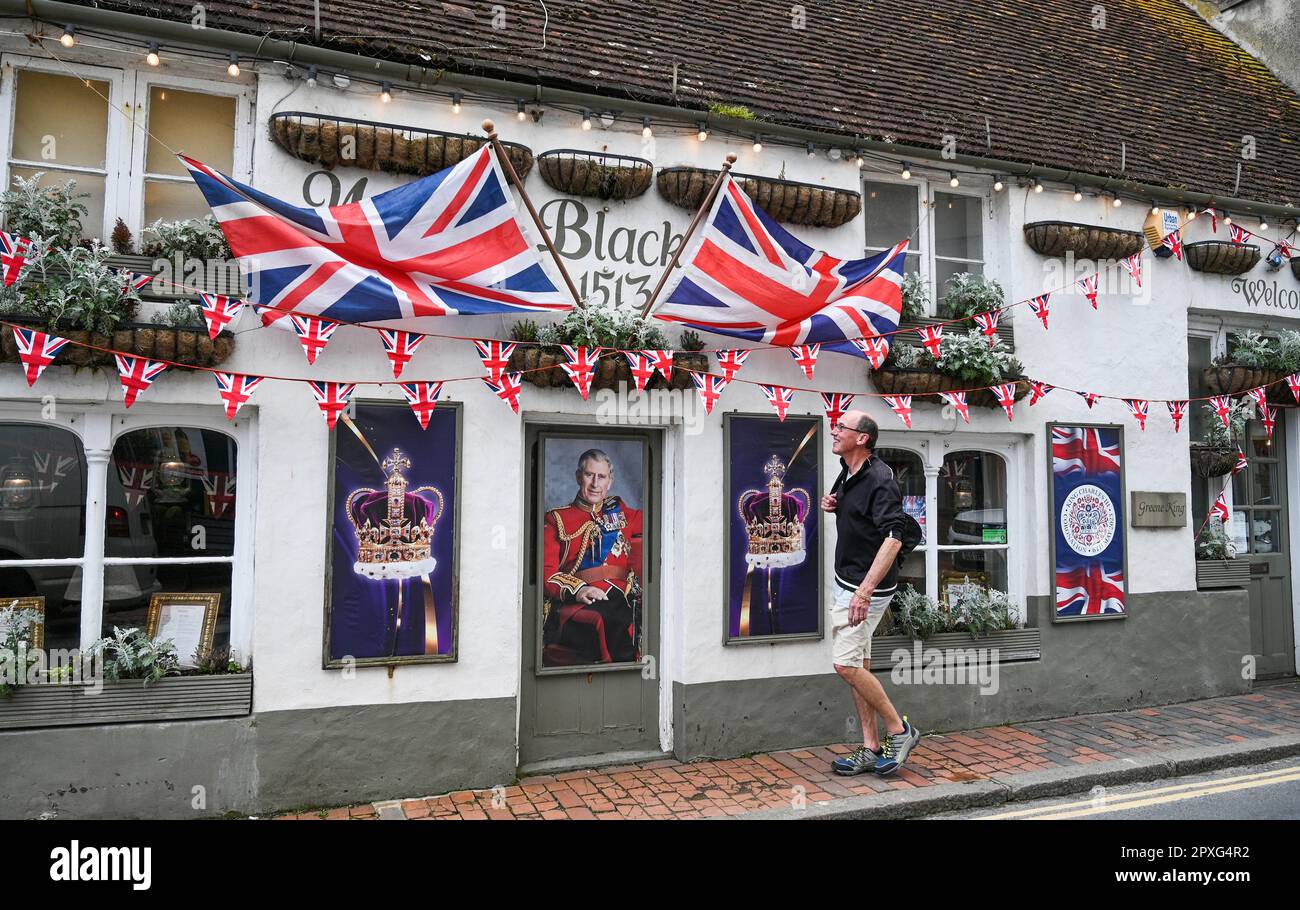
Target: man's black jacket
{"points": [[869, 509]]}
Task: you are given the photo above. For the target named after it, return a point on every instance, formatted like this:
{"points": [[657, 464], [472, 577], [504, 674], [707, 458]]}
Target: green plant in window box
{"points": [[130, 654], [973, 360], [981, 612], [184, 315], [967, 294], [1254, 350], [19, 629], [72, 288], [196, 238], [916, 616], [1213, 543], [52, 212], [121, 240], [916, 297], [220, 662]]}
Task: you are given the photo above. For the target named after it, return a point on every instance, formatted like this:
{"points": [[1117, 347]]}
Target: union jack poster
{"points": [[1089, 547]]}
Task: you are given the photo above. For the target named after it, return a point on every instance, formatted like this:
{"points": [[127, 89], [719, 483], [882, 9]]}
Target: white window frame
{"points": [[99, 430], [932, 448], [129, 88]]}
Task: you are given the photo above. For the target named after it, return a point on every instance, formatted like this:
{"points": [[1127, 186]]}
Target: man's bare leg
{"points": [[868, 688], [867, 717]]}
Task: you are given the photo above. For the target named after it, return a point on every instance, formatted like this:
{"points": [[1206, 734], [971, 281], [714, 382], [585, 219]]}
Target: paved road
{"points": [[1266, 791]]}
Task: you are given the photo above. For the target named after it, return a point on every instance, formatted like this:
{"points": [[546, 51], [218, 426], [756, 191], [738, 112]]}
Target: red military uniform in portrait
{"points": [[597, 546]]}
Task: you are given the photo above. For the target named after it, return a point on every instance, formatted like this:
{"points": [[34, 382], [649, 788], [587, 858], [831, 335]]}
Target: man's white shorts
{"points": [[850, 645]]}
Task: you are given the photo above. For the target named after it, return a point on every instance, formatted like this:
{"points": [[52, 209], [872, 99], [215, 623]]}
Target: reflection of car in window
{"points": [[968, 529]]}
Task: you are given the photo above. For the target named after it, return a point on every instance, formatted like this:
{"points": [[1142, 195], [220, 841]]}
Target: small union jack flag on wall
{"points": [[1293, 383], [663, 362], [400, 347], [1139, 409], [1220, 510], [876, 349], [1089, 287], [1268, 418], [806, 356], [1174, 242], [1090, 398], [37, 351], [134, 281], [495, 356], [1260, 397], [581, 366], [313, 332], [219, 311], [836, 403], [1006, 395], [332, 398], [1222, 405], [643, 368], [1214, 219], [958, 402], [235, 389], [932, 338], [988, 323], [730, 362], [507, 389], [136, 374], [1133, 265], [13, 255], [902, 406], [1176, 411], [779, 397], [1037, 390], [423, 398], [1239, 234], [1038, 306], [710, 388]]}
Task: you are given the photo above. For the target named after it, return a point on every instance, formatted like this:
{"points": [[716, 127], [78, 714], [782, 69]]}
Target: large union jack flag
{"points": [[747, 277], [447, 244], [1089, 590], [1081, 449]]}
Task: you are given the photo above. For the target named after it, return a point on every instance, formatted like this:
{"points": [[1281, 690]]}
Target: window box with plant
{"points": [[969, 361], [141, 681], [606, 326], [1216, 453], [1217, 565], [978, 618], [1256, 360]]}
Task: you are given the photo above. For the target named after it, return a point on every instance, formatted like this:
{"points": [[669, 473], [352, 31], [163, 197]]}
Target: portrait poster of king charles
{"points": [[592, 551]]}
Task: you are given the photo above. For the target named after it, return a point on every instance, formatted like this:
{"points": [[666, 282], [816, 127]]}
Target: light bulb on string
{"points": [[907, 172], [385, 92], [952, 180], [1078, 194], [1038, 187], [998, 184], [311, 75], [1263, 225], [646, 131], [1116, 202], [812, 150], [1227, 219], [703, 133], [69, 36], [520, 113], [233, 69], [758, 144], [152, 57], [455, 102], [1155, 209], [859, 160], [586, 119]]}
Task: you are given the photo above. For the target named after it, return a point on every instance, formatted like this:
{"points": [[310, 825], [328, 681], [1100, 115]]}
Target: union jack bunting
{"points": [[313, 333], [1133, 265], [836, 403], [495, 356], [332, 398], [507, 389], [447, 244], [13, 255], [1038, 306], [37, 351], [1176, 411], [1174, 241], [1293, 383], [1214, 219], [1238, 234], [1139, 409], [1089, 287], [1260, 397], [423, 398], [875, 349], [219, 311], [1285, 248], [1090, 398], [779, 397], [136, 374], [1037, 390], [746, 276], [988, 323], [235, 389], [932, 338], [806, 356], [710, 388], [219, 491], [1006, 395], [958, 402], [902, 406], [1220, 509], [1081, 449], [1089, 590], [1222, 405], [581, 366], [643, 369], [134, 281], [137, 479], [1241, 464], [400, 347], [663, 362], [1268, 418], [730, 362]]}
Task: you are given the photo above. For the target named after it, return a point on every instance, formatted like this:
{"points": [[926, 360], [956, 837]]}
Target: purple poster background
{"points": [[1089, 522], [796, 590], [364, 621]]}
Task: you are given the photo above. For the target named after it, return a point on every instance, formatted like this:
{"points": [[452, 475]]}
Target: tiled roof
{"points": [[1027, 81]]}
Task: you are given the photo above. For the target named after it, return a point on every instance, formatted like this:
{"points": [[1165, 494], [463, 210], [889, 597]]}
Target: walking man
{"points": [[868, 507]]}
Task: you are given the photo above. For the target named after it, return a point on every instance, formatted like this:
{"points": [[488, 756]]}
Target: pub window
{"points": [[203, 125], [971, 531]]}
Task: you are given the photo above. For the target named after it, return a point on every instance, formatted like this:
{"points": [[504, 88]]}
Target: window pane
{"points": [[1263, 488], [1261, 527], [890, 211], [945, 269], [986, 568], [911, 480], [173, 201], [92, 225], [972, 499], [128, 589], [201, 126], [957, 226], [1199, 354], [59, 120], [171, 493]]}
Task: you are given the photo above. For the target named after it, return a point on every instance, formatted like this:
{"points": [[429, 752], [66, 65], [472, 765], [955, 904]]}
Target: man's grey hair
{"points": [[597, 455]]}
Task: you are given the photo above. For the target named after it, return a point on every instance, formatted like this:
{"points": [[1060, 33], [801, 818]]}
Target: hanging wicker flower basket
{"points": [[390, 147], [1212, 461], [159, 342], [890, 380], [1221, 257], [543, 369], [596, 174], [1237, 379], [1086, 241], [804, 204]]}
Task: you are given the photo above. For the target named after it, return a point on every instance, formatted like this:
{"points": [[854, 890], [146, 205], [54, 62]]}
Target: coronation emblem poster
{"points": [[1089, 554], [391, 587], [773, 528]]}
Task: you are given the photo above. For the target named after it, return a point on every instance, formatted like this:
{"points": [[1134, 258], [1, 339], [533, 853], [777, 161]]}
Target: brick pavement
{"points": [[669, 789]]}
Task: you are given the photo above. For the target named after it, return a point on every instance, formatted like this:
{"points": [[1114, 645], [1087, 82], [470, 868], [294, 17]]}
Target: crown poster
{"points": [[392, 566], [774, 528]]}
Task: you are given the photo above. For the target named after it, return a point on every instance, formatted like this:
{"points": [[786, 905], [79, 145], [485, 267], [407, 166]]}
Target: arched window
{"points": [[971, 530]]}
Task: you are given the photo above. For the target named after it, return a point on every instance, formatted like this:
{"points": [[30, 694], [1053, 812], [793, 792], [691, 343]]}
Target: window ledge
{"points": [[128, 701], [1013, 645]]}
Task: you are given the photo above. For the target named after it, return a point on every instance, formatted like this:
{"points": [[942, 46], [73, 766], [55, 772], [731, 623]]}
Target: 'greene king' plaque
{"points": [[1158, 510]]}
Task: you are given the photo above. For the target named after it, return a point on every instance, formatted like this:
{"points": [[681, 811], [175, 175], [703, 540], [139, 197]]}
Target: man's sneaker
{"points": [[861, 761], [896, 747]]}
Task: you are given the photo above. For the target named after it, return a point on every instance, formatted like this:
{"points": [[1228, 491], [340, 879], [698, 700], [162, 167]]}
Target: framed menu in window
{"points": [[19, 604], [189, 620]]}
